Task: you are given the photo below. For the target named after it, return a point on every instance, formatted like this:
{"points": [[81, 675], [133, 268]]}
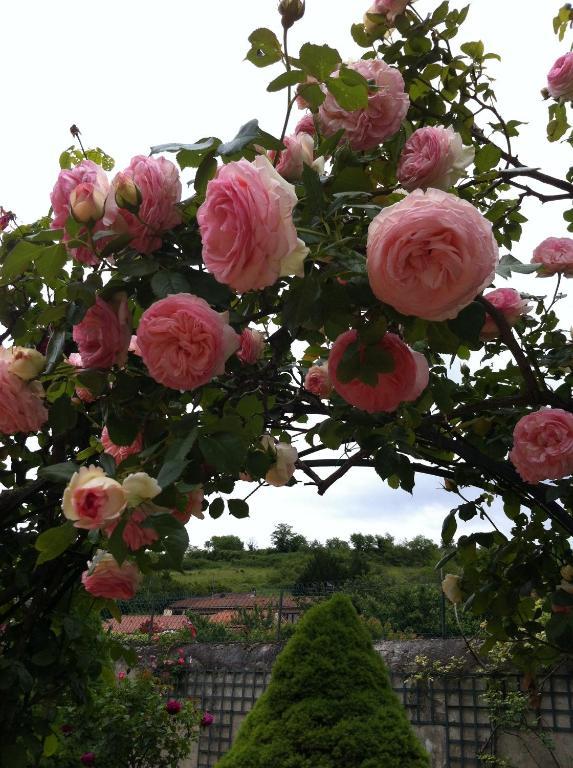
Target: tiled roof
{"points": [[224, 617], [131, 623], [233, 600]]}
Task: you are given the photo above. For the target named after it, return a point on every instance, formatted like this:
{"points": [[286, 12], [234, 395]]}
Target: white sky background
{"points": [[134, 74]]}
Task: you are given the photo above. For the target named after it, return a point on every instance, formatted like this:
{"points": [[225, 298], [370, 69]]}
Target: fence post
{"points": [[280, 616]]}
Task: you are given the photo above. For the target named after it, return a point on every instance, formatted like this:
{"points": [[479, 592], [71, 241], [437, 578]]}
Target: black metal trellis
{"points": [[454, 704]]}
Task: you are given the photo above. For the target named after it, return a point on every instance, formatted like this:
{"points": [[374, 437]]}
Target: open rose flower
{"points": [[404, 383], [543, 445], [252, 346], [510, 303], [285, 456], [21, 406], [158, 185], [92, 499], [104, 334], [106, 578], [430, 255], [183, 342], [317, 380], [433, 157], [24, 362], [560, 78], [193, 508], [139, 487], [387, 107], [120, 452], [134, 534], [249, 238], [85, 173], [388, 8], [305, 125], [555, 254]]}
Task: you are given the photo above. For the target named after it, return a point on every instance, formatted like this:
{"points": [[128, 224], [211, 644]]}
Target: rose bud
{"points": [[127, 193], [291, 11], [173, 706], [87, 203]]}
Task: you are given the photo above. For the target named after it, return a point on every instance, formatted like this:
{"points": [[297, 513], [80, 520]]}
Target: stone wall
{"points": [[448, 713]]}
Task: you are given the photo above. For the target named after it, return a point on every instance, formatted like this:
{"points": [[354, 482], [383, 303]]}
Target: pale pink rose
{"points": [[135, 535], [252, 346], [305, 125], [298, 153], [404, 383], [285, 456], [86, 172], [104, 334], [249, 238], [106, 578], [387, 107], [21, 405], [75, 359], [555, 254], [92, 499], [87, 203], [120, 452], [430, 255], [560, 78], [193, 508], [543, 445], [433, 157], [134, 346], [159, 185], [24, 362], [318, 381], [508, 301], [388, 8], [184, 343], [140, 487]]}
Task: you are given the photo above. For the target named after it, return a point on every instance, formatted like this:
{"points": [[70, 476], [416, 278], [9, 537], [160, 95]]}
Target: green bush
{"points": [[126, 724], [329, 703]]}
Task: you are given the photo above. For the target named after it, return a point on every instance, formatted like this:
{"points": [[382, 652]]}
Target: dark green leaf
{"points": [[171, 471], [52, 542], [265, 48], [449, 528], [216, 507], [287, 78], [319, 60], [166, 283], [59, 473], [238, 508]]}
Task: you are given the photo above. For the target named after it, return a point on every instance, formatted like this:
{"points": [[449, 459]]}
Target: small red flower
{"points": [[181, 660], [121, 676], [207, 720], [173, 706]]}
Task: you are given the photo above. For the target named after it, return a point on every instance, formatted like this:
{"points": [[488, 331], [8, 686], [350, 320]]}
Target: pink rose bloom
{"points": [[86, 172], [298, 153], [120, 452], [404, 384], [543, 445], [157, 180], [83, 393], [92, 499], [193, 508], [105, 578], [430, 255], [560, 78], [134, 535], [387, 107], [433, 157], [317, 380], [134, 346], [305, 125], [21, 405], [104, 334], [555, 254], [389, 8], [207, 720], [252, 346], [184, 343], [173, 706], [249, 238], [508, 301]]}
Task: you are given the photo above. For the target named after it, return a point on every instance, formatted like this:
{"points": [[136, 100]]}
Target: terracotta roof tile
{"points": [[131, 623]]}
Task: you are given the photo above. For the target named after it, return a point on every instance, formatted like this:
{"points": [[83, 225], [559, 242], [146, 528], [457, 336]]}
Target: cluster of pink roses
{"points": [[140, 201], [21, 405]]}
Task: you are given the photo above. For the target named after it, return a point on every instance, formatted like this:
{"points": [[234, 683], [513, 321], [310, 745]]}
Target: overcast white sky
{"points": [[134, 74]]}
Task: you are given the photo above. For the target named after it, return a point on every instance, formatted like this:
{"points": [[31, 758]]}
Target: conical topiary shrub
{"points": [[329, 703]]}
